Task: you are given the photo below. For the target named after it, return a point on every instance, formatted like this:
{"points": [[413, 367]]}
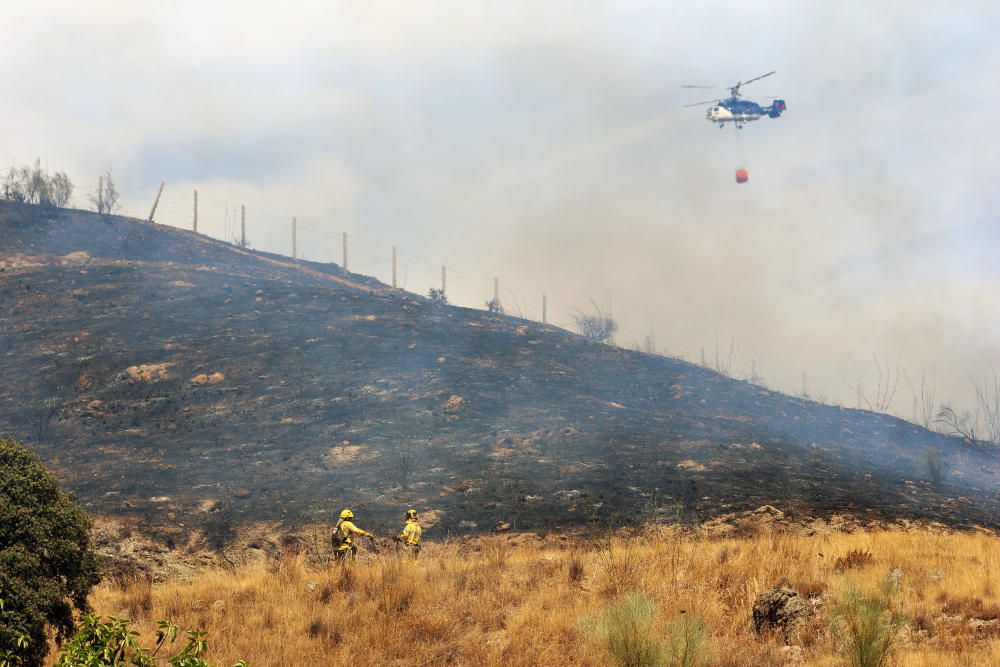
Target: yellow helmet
{"points": [[347, 514], [411, 514]]}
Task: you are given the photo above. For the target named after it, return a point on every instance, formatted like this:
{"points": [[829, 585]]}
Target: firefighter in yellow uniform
{"points": [[343, 536], [410, 537]]}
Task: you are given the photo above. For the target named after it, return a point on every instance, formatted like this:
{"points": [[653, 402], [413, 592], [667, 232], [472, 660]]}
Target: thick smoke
{"points": [[548, 146]]}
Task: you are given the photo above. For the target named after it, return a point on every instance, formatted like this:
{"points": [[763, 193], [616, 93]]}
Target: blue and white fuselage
{"points": [[735, 110]]}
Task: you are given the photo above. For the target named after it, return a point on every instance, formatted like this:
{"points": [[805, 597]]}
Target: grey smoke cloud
{"points": [[546, 143]]}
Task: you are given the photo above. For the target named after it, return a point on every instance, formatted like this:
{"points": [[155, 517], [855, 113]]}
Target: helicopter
{"points": [[735, 110]]}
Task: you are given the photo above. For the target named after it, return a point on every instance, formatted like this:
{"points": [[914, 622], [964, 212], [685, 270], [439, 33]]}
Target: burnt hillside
{"points": [[177, 379]]}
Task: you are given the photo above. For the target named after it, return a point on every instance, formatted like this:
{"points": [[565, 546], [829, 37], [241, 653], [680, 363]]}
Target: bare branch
{"points": [[988, 407], [954, 424], [598, 326], [105, 199], [924, 397]]}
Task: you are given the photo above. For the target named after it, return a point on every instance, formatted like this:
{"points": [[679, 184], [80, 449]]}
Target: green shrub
{"points": [[687, 640], [113, 643], [47, 563], [625, 630], [937, 466], [437, 296], [12, 653], [868, 626]]}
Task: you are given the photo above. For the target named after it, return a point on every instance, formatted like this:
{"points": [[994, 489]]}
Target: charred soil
{"points": [[192, 385]]}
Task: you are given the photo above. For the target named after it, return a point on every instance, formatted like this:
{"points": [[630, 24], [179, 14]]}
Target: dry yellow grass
{"points": [[519, 600]]}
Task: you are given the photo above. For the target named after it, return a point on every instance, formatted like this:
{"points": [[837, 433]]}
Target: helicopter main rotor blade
{"points": [[704, 87], [698, 104], [757, 78]]}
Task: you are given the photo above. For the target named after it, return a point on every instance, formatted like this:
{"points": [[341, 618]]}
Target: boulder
{"points": [[781, 609]]}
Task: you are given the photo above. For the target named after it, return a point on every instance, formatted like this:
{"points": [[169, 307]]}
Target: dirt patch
{"points": [[207, 378], [342, 455], [78, 257], [453, 405], [148, 372], [692, 466], [21, 262]]}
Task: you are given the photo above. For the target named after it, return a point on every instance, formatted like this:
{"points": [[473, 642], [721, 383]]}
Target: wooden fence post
{"points": [[243, 226], [156, 201]]}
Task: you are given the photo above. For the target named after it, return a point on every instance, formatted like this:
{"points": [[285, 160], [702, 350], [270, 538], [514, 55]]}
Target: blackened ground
{"points": [[172, 378]]}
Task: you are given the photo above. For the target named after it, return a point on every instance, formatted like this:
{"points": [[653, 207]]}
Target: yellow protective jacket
{"points": [[411, 533], [348, 530]]}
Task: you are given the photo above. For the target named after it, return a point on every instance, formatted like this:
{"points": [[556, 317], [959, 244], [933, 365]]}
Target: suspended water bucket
{"points": [[742, 176]]}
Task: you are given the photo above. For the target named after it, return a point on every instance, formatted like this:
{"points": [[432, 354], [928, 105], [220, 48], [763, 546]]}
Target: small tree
{"points": [[923, 397], [598, 326], [11, 189], [880, 397], [105, 198], [963, 425], [988, 407], [60, 190], [47, 562], [406, 455], [34, 185], [437, 296]]}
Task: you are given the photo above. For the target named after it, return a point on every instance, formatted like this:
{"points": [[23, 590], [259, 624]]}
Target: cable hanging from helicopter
{"points": [[738, 111]]}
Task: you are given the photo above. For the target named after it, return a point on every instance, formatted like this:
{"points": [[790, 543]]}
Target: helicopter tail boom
{"points": [[777, 106]]}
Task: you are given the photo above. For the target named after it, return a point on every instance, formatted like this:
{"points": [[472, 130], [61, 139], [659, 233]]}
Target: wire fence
{"points": [[222, 219], [316, 241]]}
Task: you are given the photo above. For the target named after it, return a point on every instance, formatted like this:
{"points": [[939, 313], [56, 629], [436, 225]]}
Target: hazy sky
{"points": [[546, 143]]}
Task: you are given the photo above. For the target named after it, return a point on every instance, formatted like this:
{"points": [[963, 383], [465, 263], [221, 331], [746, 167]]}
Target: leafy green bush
{"points": [[868, 626], [11, 654], [47, 563], [113, 643], [625, 631]]}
